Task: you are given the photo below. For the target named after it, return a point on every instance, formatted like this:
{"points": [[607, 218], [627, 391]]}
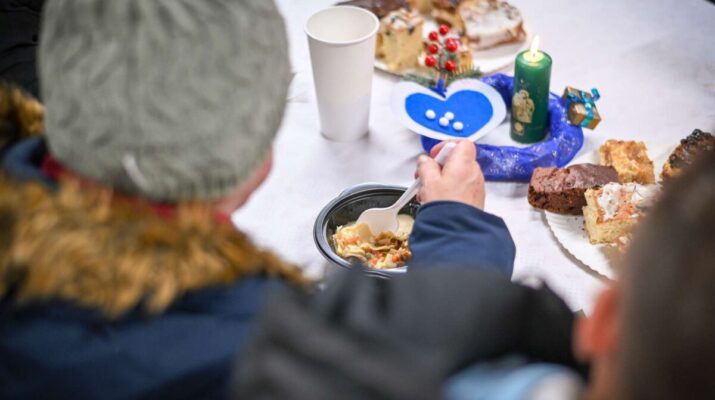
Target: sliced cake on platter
{"points": [[613, 210], [561, 190], [687, 151], [630, 159]]}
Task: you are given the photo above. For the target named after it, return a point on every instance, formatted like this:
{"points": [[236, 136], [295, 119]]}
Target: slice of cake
{"points": [[490, 23], [399, 41], [561, 190], [377, 7], [630, 159], [446, 12], [424, 7], [686, 152], [486, 23], [613, 210]]}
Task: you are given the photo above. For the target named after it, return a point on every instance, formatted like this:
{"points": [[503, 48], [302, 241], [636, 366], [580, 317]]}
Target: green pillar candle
{"points": [[530, 101]]}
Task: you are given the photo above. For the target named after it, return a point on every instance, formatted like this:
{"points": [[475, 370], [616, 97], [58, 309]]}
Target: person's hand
{"points": [[460, 179]]}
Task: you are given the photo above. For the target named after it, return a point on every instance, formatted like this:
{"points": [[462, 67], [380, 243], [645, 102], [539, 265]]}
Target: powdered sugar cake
{"points": [[613, 210]]}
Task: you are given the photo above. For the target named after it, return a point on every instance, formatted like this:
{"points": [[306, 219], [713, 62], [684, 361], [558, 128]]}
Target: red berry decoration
{"points": [[430, 61], [450, 65], [452, 45], [443, 29], [433, 49], [433, 36]]}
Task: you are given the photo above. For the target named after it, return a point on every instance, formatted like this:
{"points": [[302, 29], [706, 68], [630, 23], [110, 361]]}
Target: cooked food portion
{"points": [[613, 210], [561, 190], [399, 41], [384, 251], [377, 7], [630, 159], [687, 151]]}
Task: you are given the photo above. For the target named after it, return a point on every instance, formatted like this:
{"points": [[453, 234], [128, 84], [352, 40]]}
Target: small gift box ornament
{"points": [[581, 107]]}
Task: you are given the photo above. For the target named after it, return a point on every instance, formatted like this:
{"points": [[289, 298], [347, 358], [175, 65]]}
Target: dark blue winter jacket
{"points": [[58, 349]]}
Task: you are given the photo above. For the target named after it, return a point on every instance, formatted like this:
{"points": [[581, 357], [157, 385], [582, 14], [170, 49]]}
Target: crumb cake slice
{"points": [[490, 23], [686, 152], [613, 210], [630, 159], [561, 190], [399, 41], [424, 7]]}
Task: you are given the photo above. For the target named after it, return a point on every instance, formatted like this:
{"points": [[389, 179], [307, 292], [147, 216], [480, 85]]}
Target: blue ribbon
{"points": [[588, 103]]}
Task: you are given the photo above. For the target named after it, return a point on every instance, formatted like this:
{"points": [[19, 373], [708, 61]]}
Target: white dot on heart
{"points": [[458, 126], [430, 114], [443, 121], [449, 115]]}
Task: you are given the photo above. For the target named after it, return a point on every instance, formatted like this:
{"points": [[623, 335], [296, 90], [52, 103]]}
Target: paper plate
{"points": [[569, 229], [488, 60]]}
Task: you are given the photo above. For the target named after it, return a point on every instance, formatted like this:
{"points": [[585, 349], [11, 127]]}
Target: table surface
{"points": [[653, 62]]}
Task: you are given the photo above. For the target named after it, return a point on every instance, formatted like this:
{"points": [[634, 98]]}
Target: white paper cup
{"points": [[342, 52]]}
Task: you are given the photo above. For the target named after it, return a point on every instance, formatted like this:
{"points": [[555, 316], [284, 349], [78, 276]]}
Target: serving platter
{"points": [[488, 60], [570, 232]]}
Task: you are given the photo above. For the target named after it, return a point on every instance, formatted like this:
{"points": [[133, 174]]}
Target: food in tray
{"points": [[630, 159], [687, 151], [385, 251], [377, 7], [399, 41], [561, 190], [614, 209]]}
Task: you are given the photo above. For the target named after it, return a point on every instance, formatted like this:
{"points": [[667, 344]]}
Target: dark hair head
{"points": [[667, 349]]}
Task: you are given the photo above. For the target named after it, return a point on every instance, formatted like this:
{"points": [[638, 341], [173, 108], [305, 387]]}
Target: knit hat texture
{"points": [[168, 99]]}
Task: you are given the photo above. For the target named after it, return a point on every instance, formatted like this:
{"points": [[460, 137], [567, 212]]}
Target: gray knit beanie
{"points": [[168, 99]]}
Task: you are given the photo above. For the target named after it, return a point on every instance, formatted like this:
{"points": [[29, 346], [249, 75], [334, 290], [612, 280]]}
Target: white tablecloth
{"points": [[653, 62]]}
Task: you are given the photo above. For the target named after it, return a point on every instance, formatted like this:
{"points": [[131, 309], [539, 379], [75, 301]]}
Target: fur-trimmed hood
{"points": [[88, 247]]}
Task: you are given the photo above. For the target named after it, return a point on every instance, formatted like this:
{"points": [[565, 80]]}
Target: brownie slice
{"points": [[687, 151], [561, 190]]}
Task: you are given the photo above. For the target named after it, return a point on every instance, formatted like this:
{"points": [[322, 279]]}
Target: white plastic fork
{"points": [[385, 219]]}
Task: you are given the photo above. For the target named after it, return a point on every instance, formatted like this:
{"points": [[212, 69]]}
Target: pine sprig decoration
{"points": [[467, 73]]}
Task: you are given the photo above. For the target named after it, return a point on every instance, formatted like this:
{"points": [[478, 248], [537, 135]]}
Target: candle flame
{"points": [[534, 46]]}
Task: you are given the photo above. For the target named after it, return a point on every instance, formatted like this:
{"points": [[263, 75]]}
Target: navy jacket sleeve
{"points": [[454, 234]]}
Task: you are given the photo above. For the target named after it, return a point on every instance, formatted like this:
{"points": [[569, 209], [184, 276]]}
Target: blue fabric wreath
{"points": [[510, 163]]}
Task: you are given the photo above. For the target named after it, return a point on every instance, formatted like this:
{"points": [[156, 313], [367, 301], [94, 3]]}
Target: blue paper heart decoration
{"points": [[470, 109]]}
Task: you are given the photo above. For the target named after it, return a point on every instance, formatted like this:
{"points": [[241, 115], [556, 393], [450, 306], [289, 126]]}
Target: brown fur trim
{"points": [[21, 115], [103, 252]]}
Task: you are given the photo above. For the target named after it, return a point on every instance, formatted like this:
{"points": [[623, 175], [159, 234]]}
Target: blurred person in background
{"points": [[470, 333], [121, 275]]}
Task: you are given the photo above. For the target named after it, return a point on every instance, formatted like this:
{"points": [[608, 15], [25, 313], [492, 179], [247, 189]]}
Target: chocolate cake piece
{"points": [[561, 190], [687, 151], [377, 7]]}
